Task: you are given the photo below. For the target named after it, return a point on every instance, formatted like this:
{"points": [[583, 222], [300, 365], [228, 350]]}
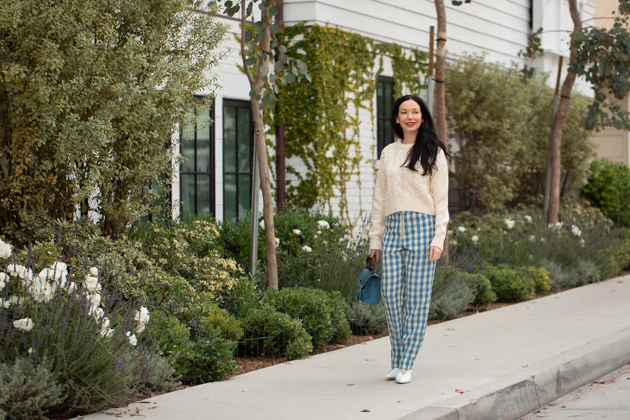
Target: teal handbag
{"points": [[368, 286]]}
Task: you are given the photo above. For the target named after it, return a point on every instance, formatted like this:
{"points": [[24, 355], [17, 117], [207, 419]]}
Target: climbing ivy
{"points": [[322, 118]]}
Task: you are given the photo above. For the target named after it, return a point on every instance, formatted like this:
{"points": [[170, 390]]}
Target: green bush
{"points": [[323, 315], [540, 276], [201, 350], [322, 253], [273, 333], [483, 291], [587, 272], [450, 300], [508, 284], [366, 318], [608, 188], [28, 389]]}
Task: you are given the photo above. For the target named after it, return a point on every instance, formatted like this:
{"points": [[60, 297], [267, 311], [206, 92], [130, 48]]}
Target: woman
{"points": [[409, 218]]}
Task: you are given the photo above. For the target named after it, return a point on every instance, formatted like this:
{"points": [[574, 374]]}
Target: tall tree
{"points": [[90, 94], [257, 40]]}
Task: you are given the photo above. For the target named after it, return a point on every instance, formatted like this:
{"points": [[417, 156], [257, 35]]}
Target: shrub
{"points": [[367, 319], [452, 295], [316, 309], [586, 272], [270, 332], [508, 284], [483, 291], [29, 389], [608, 188], [540, 276]]}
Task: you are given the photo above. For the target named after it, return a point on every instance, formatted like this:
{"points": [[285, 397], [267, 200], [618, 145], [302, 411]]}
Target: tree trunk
{"points": [[280, 142], [555, 146], [440, 91], [257, 85]]}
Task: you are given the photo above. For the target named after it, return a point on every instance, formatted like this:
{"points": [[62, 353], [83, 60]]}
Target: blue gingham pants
{"points": [[407, 282]]}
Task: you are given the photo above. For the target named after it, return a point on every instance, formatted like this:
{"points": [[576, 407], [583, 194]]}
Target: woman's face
{"points": [[409, 117]]}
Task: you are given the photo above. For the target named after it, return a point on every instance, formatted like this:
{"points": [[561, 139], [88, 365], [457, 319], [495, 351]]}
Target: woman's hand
{"points": [[435, 253], [376, 253]]}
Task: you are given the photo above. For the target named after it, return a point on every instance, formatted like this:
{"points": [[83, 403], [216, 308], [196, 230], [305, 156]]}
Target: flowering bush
{"points": [[87, 335]]}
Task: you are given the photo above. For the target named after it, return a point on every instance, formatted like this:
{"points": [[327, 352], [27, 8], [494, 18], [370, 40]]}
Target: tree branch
{"points": [[244, 17]]}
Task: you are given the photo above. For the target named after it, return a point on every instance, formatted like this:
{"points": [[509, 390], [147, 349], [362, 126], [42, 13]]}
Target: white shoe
{"points": [[403, 378], [392, 374]]}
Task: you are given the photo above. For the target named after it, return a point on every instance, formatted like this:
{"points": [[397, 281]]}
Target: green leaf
{"points": [[273, 10], [289, 78], [275, 29], [283, 49]]}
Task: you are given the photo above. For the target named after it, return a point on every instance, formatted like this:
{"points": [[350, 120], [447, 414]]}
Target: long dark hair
{"points": [[427, 144]]}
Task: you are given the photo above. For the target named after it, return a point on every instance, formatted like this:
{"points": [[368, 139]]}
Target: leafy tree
{"points": [[90, 94], [501, 127], [257, 42]]}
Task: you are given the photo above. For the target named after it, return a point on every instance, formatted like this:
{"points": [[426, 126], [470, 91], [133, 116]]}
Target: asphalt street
{"points": [[605, 398]]}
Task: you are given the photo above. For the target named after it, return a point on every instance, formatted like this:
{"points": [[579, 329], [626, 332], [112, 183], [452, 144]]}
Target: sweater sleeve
{"points": [[378, 207], [439, 190]]}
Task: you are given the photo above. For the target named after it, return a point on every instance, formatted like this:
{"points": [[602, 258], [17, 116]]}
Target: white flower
{"points": [[262, 224], [97, 313], [556, 226], [2, 284], [307, 248], [140, 328], [60, 266], [5, 303], [475, 238], [528, 218], [322, 224], [52, 274], [19, 270], [461, 229], [104, 324], [576, 230], [543, 240], [13, 300], [325, 242], [277, 241], [142, 316], [5, 249], [25, 324], [532, 238], [30, 350], [297, 232], [4, 277], [509, 223], [131, 338], [94, 271], [582, 243], [319, 232], [71, 288], [42, 290], [454, 242], [95, 300], [314, 236], [92, 284], [107, 332]]}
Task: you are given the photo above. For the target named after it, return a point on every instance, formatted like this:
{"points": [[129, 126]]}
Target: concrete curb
{"points": [[533, 387]]}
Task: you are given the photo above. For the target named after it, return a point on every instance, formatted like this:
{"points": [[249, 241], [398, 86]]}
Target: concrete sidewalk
{"points": [[507, 362]]}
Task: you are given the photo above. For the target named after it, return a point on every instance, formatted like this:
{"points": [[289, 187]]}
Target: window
{"points": [[197, 170], [384, 102], [238, 141]]}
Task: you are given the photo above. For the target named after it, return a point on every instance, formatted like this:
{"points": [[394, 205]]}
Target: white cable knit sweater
{"points": [[401, 189]]}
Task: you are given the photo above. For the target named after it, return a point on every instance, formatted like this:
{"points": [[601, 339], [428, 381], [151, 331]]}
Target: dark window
{"points": [[384, 102], [197, 171], [238, 141]]}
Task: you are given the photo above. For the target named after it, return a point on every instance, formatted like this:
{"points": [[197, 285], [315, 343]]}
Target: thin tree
{"points": [[555, 142], [258, 38]]}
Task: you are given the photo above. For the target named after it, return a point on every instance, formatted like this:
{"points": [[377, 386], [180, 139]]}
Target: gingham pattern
{"points": [[407, 282]]}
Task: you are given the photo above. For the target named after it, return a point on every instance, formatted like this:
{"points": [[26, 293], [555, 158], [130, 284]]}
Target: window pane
{"points": [[187, 193], [203, 194], [244, 131], [203, 141], [379, 100], [187, 146], [229, 197], [244, 195], [387, 100], [229, 139]]}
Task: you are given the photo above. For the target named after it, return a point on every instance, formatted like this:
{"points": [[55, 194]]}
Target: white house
{"points": [[216, 177]]}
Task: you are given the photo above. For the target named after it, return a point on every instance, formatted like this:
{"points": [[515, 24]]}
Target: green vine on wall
{"points": [[322, 118]]}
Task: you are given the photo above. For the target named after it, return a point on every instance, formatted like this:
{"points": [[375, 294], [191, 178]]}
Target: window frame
{"points": [[211, 165], [383, 120], [237, 103]]}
